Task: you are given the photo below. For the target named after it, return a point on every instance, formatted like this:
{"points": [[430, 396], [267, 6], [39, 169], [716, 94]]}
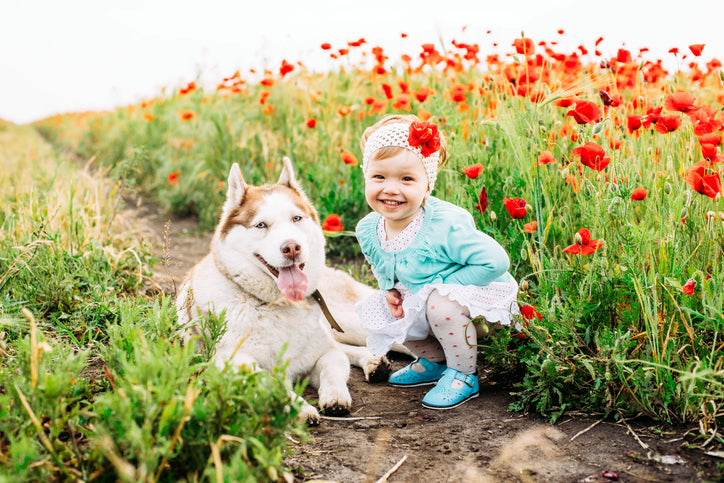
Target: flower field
{"points": [[600, 175]]}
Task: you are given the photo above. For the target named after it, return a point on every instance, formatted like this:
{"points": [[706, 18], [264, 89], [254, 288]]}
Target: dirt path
{"points": [[478, 442]]}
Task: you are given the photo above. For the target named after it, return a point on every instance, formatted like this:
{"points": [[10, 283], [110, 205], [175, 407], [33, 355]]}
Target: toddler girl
{"points": [[435, 270]]}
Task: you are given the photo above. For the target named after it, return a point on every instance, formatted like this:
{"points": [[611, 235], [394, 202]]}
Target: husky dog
{"points": [[266, 262]]}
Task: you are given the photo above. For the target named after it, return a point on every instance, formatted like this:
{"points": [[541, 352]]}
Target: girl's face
{"points": [[396, 187]]}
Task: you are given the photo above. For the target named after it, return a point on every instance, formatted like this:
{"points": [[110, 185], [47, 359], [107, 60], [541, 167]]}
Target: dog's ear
{"points": [[236, 186], [287, 177]]}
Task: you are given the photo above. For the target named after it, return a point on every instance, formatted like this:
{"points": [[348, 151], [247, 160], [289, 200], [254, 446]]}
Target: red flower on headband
{"points": [[426, 136]]}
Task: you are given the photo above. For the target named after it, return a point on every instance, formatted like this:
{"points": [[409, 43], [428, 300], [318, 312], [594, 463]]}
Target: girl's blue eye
{"points": [[261, 224], [296, 218]]}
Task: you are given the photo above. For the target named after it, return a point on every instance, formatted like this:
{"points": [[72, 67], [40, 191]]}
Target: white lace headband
{"points": [[398, 135]]}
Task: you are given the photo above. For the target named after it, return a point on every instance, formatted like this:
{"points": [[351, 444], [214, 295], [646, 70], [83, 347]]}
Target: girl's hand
{"points": [[394, 302]]}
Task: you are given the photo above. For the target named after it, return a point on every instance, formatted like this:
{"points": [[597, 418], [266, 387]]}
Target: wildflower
{"points": [[482, 200], [402, 102], [585, 112], [326, 46], [592, 155], [473, 171], [267, 81], [311, 122], [524, 46], [529, 312], [173, 178], [267, 109], [515, 206], [285, 68], [332, 223], [710, 138], [696, 49], [388, 91], [379, 106], [680, 101], [546, 157], [344, 110], [349, 158], [704, 181], [424, 115], [623, 56], [633, 122], [584, 244], [639, 194], [614, 100], [186, 115], [530, 227], [688, 287], [668, 123], [422, 94], [147, 116]]}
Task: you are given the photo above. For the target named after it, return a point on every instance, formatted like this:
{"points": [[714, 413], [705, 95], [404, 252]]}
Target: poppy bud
{"points": [[493, 216], [721, 76], [667, 188], [710, 215], [614, 203], [523, 254], [637, 178], [721, 215], [578, 239], [524, 285], [598, 128], [684, 213], [542, 128], [687, 198], [613, 187]]}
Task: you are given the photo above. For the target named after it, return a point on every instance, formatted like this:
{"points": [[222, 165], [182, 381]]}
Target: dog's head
{"points": [[269, 239]]}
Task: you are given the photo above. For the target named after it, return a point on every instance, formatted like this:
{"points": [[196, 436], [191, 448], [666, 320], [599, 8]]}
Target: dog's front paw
{"points": [[377, 369], [335, 402], [310, 414]]}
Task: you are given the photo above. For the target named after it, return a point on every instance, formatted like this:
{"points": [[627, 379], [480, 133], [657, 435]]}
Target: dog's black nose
{"points": [[291, 250]]}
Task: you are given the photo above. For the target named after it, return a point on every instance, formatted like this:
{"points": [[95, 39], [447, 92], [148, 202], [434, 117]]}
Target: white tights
{"points": [[449, 341]]}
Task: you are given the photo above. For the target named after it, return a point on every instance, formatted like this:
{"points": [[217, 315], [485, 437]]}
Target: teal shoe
{"points": [[406, 377], [453, 389]]}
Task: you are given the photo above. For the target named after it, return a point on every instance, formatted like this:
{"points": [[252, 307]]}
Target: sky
{"points": [[78, 55]]}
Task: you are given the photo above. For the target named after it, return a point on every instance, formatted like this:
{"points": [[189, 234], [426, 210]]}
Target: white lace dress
{"points": [[495, 301]]}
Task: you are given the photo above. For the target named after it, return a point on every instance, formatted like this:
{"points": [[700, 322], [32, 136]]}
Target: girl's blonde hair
{"points": [[390, 151]]}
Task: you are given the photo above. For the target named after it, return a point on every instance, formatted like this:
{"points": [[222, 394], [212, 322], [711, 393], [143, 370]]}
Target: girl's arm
{"points": [[482, 259]]}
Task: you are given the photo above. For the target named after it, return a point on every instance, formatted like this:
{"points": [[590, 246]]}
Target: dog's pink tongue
{"points": [[292, 283]]}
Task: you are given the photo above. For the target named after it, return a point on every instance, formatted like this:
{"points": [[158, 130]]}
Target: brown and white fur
{"points": [[266, 259]]}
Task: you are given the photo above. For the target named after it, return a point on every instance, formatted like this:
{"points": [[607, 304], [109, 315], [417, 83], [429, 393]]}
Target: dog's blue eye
{"points": [[297, 218], [261, 224]]}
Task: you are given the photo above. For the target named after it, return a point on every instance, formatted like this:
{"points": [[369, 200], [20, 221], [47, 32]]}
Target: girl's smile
{"points": [[395, 188]]}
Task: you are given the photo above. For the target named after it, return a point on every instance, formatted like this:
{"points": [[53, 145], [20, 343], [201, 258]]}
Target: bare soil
{"points": [[389, 432]]}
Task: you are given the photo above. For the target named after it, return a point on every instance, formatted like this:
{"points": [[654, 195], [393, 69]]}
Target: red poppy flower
{"points": [[668, 123], [584, 245], [344, 110], [148, 117], [623, 56], [546, 157], [473, 171], [425, 135], [326, 46], [592, 155], [524, 46], [173, 178], [674, 50], [704, 180], [688, 287], [186, 115], [516, 207], [710, 138], [705, 121], [529, 312], [585, 112], [311, 122], [639, 194], [633, 122], [565, 102], [349, 158], [422, 94], [332, 223], [680, 101], [614, 100], [388, 90], [696, 49], [530, 227], [285, 68], [482, 200]]}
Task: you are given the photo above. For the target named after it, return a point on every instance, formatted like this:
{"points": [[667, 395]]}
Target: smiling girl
{"points": [[435, 270]]}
